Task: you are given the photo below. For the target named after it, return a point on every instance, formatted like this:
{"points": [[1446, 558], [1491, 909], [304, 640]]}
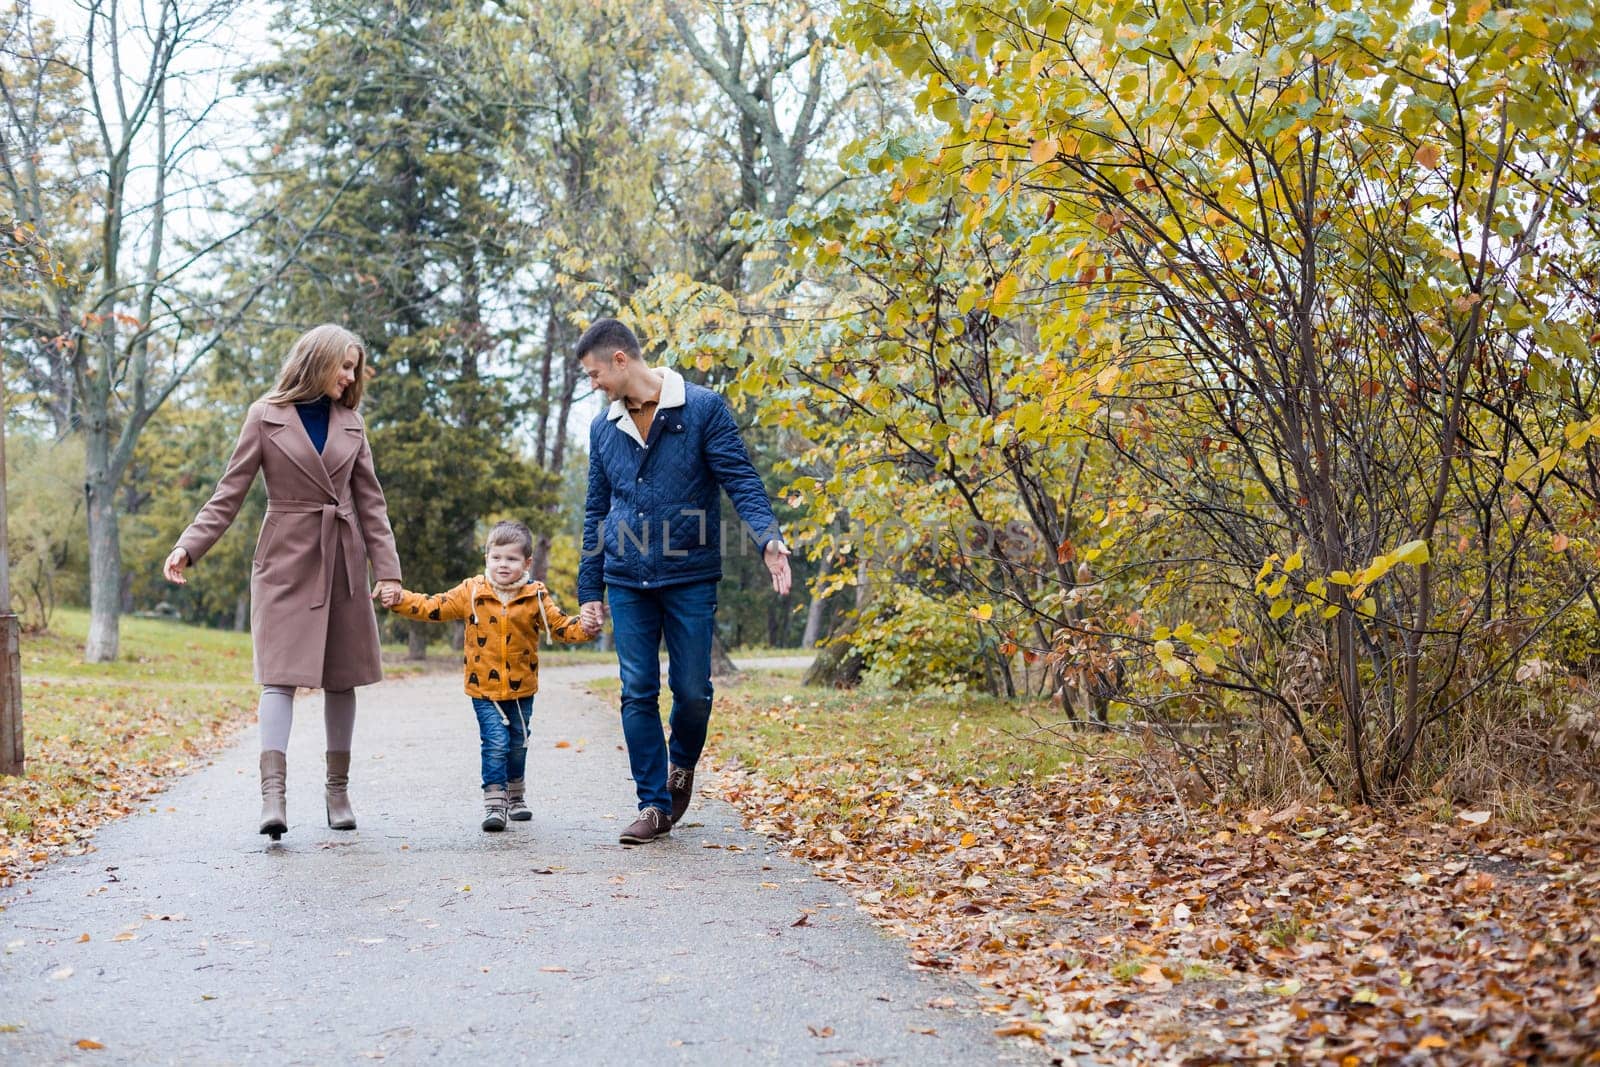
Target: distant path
{"points": [[421, 938]]}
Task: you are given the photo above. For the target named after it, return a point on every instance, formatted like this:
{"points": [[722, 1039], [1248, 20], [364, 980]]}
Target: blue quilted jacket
{"points": [[652, 517]]}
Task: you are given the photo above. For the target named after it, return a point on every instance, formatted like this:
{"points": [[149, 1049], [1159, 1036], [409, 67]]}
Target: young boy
{"points": [[501, 658]]}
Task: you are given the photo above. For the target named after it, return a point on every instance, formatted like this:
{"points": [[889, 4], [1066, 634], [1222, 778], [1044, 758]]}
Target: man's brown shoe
{"points": [[651, 824], [680, 785]]}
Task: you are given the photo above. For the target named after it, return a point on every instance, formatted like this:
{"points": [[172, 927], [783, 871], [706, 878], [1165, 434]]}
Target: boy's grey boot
{"points": [[274, 813], [494, 807], [516, 805], [340, 815]]}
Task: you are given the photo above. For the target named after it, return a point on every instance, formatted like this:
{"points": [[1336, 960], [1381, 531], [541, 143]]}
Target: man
{"points": [[651, 538]]}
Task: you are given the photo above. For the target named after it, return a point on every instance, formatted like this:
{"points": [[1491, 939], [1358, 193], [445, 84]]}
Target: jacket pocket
{"points": [[688, 527], [269, 533]]}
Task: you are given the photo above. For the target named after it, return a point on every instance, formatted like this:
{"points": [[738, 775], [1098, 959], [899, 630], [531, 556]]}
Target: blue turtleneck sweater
{"points": [[314, 417]]}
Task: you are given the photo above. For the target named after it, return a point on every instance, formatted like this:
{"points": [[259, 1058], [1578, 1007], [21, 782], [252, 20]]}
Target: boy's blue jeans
{"points": [[685, 615], [505, 744]]}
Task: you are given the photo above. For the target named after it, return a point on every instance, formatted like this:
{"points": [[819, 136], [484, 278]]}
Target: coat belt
{"points": [[330, 513]]}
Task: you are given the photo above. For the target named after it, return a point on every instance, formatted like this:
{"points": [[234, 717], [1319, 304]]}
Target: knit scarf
{"points": [[504, 592]]}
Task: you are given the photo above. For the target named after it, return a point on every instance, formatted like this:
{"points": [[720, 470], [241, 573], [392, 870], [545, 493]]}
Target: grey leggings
{"points": [[277, 715]]}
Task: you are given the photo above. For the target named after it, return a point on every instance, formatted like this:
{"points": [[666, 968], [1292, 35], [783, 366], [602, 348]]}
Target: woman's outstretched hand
{"points": [[387, 592], [177, 559]]}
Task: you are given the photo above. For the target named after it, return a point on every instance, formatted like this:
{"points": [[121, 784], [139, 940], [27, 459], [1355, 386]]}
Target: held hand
{"points": [[387, 592], [777, 560], [176, 560], [592, 617]]}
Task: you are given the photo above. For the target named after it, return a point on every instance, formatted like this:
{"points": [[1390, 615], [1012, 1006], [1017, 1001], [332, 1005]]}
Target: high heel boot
{"points": [[274, 814], [340, 815]]}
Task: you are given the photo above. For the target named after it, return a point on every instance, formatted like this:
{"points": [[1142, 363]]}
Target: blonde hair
{"points": [[313, 360]]}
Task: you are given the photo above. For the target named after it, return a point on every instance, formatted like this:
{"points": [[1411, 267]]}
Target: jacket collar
{"points": [[344, 441], [672, 396]]}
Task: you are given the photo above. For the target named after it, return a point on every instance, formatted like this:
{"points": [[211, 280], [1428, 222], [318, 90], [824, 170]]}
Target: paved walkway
{"points": [[186, 938]]}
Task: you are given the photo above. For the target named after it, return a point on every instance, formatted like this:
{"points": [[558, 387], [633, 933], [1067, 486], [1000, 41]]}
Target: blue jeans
{"points": [[686, 616], [505, 743]]}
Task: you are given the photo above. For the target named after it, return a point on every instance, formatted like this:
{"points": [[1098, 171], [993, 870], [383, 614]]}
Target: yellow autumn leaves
{"points": [[1274, 581]]}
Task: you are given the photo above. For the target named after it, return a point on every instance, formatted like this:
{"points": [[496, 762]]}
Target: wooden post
{"points": [[10, 632]]}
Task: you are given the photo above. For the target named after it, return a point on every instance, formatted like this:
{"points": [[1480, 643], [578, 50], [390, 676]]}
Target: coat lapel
{"points": [[290, 437], [344, 442]]}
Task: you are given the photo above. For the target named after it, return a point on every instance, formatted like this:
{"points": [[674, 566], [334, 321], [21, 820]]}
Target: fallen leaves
{"points": [[97, 752], [1021, 1028], [1121, 929]]}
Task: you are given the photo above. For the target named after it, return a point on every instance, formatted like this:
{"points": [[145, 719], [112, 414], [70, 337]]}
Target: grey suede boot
{"points": [[274, 814], [340, 815], [494, 807], [516, 802]]}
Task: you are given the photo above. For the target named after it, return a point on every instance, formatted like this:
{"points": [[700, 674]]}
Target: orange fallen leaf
{"points": [[563, 744], [86, 1043], [1020, 1028]]}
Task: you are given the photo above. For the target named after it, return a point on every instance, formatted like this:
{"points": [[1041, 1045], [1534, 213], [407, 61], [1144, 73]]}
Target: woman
{"points": [[309, 617]]}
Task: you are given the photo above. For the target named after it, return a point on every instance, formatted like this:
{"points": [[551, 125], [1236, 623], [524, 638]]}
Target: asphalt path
{"points": [[185, 937]]}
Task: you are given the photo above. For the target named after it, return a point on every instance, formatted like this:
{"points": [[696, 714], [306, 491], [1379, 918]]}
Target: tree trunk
{"points": [[11, 755], [241, 613], [817, 607], [416, 642], [837, 665], [722, 665], [105, 552]]}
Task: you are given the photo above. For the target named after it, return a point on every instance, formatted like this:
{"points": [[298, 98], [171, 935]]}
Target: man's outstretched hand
{"points": [[777, 560]]}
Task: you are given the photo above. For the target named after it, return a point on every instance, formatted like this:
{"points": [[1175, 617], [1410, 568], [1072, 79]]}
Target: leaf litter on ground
{"points": [[1121, 928]]}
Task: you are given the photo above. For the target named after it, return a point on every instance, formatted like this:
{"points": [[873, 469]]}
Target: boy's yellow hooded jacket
{"points": [[501, 658]]}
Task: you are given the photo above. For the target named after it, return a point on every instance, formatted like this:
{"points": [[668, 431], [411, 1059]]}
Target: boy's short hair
{"points": [[605, 337], [511, 533]]}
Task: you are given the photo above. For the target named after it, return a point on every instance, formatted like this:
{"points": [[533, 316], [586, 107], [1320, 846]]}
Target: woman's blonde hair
{"points": [[313, 360]]}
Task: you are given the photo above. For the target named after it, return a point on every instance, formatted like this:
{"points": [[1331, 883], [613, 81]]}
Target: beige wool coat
{"points": [[311, 616]]}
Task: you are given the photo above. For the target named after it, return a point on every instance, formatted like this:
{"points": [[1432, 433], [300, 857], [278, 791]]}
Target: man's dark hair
{"points": [[608, 335]]}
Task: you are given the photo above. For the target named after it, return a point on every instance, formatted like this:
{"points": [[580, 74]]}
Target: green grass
{"points": [[190, 677], [153, 650], [768, 719]]}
